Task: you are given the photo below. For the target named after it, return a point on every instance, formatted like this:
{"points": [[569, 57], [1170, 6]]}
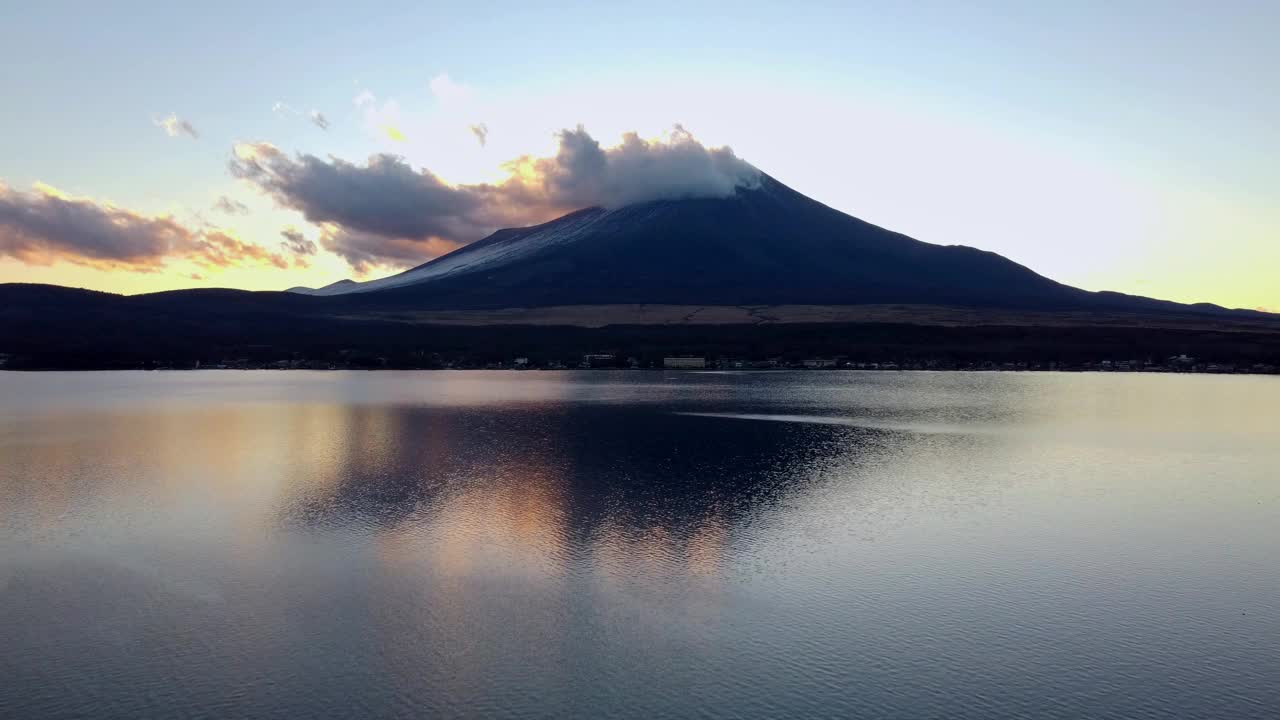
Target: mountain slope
{"points": [[767, 245]]}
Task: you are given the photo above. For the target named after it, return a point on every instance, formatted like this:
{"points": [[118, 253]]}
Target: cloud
{"points": [[481, 131], [226, 205], [216, 249], [297, 243], [317, 118], [366, 252], [384, 212], [583, 173], [364, 97], [175, 126], [384, 197], [48, 226], [449, 92]]}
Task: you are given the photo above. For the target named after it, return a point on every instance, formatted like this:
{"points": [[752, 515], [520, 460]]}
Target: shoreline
{"points": [[1266, 370]]}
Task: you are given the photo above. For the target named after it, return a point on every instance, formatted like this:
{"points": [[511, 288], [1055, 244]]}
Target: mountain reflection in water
{"points": [[638, 544]]}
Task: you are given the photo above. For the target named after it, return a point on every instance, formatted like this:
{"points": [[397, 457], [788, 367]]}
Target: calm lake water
{"points": [[639, 544]]}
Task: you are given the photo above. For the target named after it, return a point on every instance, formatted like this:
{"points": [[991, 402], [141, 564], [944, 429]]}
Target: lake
{"points": [[639, 544]]}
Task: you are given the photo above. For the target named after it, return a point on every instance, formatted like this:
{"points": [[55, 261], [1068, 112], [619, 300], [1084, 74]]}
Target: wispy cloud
{"points": [[48, 226], [296, 243], [284, 109], [456, 107], [174, 126], [384, 212], [449, 92], [226, 205]]}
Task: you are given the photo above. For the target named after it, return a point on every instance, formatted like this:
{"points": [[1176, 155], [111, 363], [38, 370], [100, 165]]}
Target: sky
{"points": [[1129, 146]]}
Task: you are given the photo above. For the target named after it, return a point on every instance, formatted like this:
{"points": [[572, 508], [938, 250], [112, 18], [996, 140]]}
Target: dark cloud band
{"points": [[43, 227]]}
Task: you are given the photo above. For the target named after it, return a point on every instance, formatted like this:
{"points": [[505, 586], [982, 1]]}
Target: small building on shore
{"points": [[684, 363], [598, 360]]}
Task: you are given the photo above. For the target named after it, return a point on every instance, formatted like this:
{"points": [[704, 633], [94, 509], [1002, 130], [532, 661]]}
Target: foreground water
{"points": [[639, 544]]}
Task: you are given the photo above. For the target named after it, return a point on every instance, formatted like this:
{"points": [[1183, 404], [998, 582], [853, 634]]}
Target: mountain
{"points": [[765, 245], [765, 272]]}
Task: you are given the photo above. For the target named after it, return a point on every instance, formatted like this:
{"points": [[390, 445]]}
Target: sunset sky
{"points": [[1129, 146]]}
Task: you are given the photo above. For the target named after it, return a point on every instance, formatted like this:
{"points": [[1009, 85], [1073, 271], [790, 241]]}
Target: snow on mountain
{"points": [[502, 247]]}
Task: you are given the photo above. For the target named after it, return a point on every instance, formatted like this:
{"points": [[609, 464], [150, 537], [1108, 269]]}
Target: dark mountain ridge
{"points": [[767, 245]]}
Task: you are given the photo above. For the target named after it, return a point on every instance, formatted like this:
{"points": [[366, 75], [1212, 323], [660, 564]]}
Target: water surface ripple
{"points": [[639, 545]]}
